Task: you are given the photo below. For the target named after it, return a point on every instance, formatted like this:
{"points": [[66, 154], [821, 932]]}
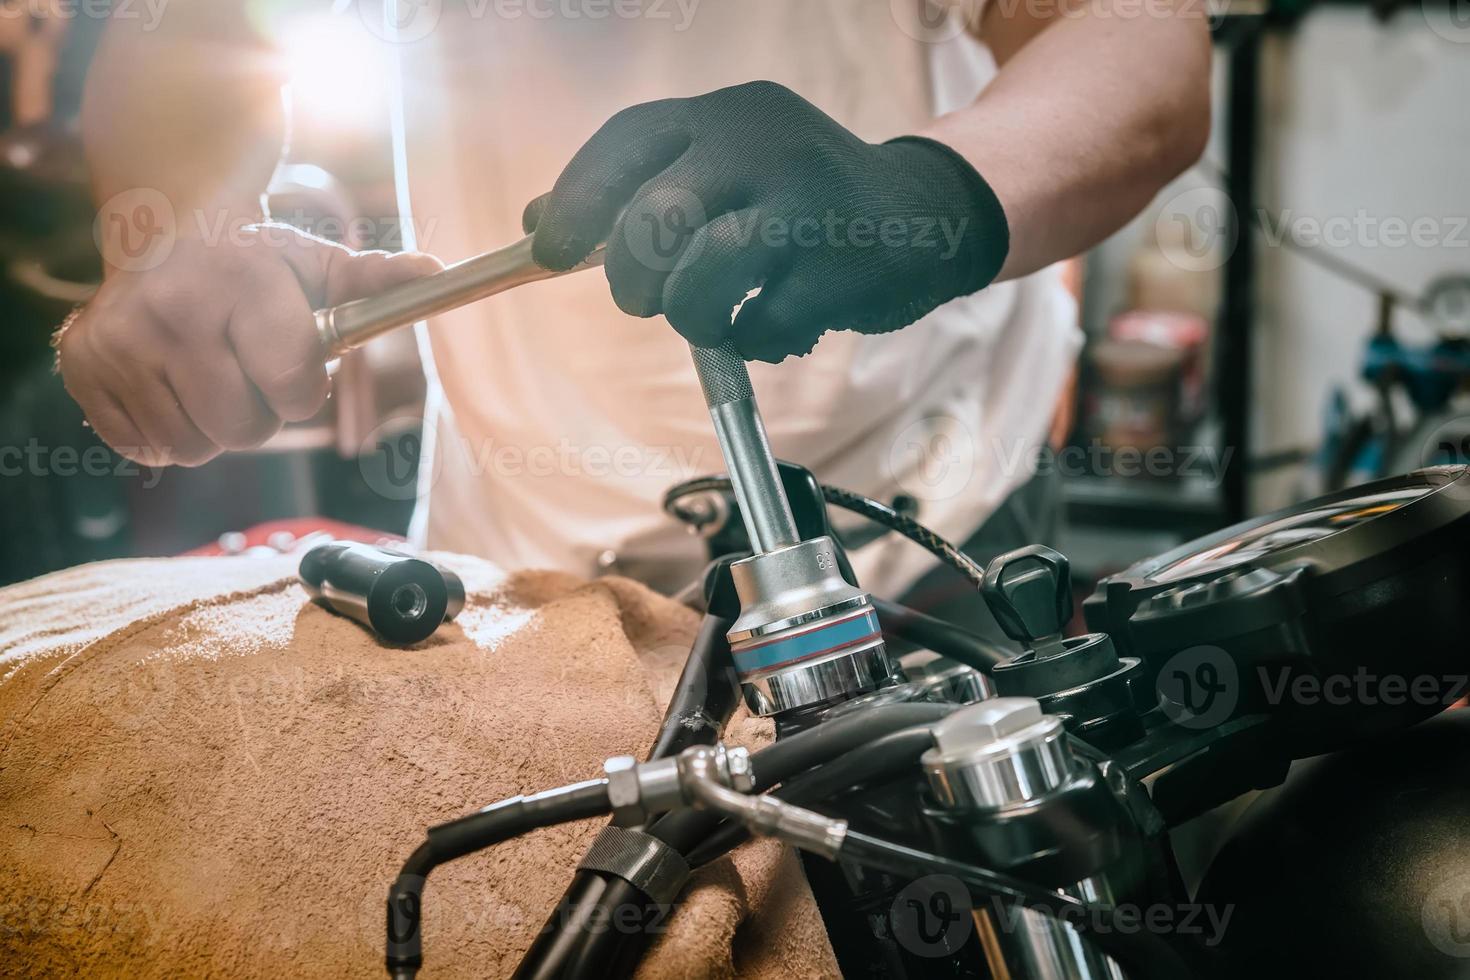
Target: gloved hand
{"points": [[753, 186]]}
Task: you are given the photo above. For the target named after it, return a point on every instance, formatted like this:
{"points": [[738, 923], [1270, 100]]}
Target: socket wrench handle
{"points": [[350, 325], [722, 372]]}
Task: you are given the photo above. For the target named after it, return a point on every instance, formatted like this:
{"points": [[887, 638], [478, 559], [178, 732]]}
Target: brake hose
{"points": [[1143, 955], [500, 822], [703, 700], [878, 760], [1148, 957], [684, 828], [603, 951], [873, 510], [941, 636]]}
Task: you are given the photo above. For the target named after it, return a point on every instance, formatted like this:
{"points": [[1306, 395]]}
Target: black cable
{"points": [[880, 760], [1141, 954], [797, 753], [500, 822], [587, 947], [703, 700], [873, 510], [685, 829], [941, 636], [612, 953], [705, 696], [881, 513]]}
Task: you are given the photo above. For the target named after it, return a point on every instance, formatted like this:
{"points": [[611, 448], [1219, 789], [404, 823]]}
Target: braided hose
{"points": [[867, 507]]}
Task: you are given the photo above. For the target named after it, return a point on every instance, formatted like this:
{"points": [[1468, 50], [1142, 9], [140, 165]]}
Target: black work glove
{"points": [[753, 186]]}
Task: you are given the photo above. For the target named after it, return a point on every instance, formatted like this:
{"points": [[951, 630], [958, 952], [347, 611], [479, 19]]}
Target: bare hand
{"points": [[216, 347]]}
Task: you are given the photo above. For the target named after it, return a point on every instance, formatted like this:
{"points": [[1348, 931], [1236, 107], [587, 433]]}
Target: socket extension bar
{"points": [[805, 636]]}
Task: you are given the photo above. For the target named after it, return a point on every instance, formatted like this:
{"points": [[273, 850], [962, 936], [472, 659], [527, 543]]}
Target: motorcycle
{"points": [[963, 810]]}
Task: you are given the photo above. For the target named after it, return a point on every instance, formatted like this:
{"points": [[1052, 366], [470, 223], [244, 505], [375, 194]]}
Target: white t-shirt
{"points": [[558, 422]]}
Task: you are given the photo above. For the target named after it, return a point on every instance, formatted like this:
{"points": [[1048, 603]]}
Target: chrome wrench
{"points": [[805, 635]]}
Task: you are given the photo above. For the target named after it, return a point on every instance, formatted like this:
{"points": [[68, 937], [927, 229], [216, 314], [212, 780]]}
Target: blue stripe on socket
{"points": [[809, 644]]}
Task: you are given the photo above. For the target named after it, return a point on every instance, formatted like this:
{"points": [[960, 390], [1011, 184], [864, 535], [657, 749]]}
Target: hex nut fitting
{"points": [[741, 771], [623, 793]]}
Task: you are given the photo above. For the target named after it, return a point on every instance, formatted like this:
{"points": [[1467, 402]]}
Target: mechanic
{"points": [[854, 167]]}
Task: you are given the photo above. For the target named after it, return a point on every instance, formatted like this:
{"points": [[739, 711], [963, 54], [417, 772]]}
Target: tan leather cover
{"points": [[202, 773]]}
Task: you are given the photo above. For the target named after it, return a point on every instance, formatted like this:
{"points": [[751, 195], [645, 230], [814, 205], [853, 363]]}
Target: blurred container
{"points": [[1168, 272], [1137, 399], [1187, 333]]}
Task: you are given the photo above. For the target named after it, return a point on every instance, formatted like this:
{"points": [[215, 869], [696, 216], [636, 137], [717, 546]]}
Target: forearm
{"points": [[191, 109], [1085, 122]]}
